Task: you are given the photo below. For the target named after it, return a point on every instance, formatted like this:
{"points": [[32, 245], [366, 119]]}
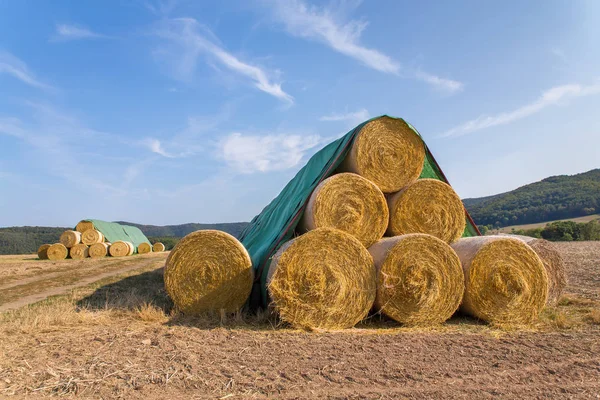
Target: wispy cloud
{"points": [[66, 32], [550, 97], [11, 65], [253, 153], [352, 117], [155, 146], [186, 33], [329, 26]]}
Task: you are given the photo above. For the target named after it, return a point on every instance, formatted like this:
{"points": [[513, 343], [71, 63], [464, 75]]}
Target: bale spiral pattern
{"points": [[57, 251], [120, 248], [70, 238], [99, 250], [79, 251], [92, 236], [83, 226], [144, 248], [158, 247]]}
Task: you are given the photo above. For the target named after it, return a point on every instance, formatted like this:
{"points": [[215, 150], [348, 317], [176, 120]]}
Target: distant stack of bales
{"points": [[90, 239], [373, 237]]}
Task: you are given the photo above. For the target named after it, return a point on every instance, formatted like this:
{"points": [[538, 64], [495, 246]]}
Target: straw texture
{"points": [[98, 250], [324, 279], [427, 206], [350, 203], [57, 251], [83, 226], [158, 247], [420, 280], [144, 248], [554, 264], [79, 251], [43, 252], [70, 238], [505, 280], [208, 270], [387, 152], [92, 236], [120, 248]]}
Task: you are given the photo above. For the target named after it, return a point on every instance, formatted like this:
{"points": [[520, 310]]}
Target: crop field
{"points": [[106, 329], [508, 229]]}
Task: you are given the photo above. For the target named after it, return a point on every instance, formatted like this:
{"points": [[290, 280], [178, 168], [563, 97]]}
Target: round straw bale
{"points": [[131, 248], [79, 251], [420, 280], [427, 206], [43, 252], [144, 248], [121, 248], [158, 247], [350, 203], [324, 279], [92, 236], [83, 226], [208, 270], [99, 250], [70, 238], [387, 152], [554, 264], [505, 280], [57, 251]]}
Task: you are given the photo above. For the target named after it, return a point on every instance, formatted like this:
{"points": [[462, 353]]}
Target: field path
{"points": [[56, 278]]}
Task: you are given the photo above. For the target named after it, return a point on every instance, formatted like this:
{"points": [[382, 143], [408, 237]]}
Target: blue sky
{"points": [[182, 111]]}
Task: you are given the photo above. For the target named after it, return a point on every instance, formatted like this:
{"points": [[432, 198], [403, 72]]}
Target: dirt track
{"points": [[109, 345]]}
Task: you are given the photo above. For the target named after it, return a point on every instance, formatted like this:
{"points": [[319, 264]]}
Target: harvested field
{"points": [[119, 338]]}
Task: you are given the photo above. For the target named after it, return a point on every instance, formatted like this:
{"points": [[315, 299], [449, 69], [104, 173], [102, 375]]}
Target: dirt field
{"points": [[119, 338]]}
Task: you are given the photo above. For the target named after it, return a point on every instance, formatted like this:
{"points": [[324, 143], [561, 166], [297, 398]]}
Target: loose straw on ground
{"points": [[158, 247], [427, 206], [121, 248], [92, 236], [554, 264], [387, 152], [324, 279], [208, 270], [57, 251], [350, 203], [144, 248], [98, 250], [420, 280], [505, 280], [70, 238], [43, 252], [83, 226], [79, 251]]}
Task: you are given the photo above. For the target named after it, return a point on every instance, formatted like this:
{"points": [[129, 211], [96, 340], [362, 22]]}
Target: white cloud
{"points": [[11, 65], [185, 32], [156, 147], [352, 117], [548, 98], [446, 85], [73, 32], [252, 153]]}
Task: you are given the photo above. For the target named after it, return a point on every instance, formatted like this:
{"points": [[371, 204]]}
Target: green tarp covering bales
{"points": [[276, 224], [114, 232]]}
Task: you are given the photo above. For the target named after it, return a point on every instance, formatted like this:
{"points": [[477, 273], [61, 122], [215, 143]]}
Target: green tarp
{"points": [[114, 232], [277, 222]]}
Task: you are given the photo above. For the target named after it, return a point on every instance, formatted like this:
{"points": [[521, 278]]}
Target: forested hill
{"points": [[233, 228], [556, 197]]}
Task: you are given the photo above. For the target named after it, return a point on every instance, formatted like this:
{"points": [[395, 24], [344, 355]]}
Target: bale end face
{"points": [[83, 226], [158, 247], [79, 251], [70, 238], [121, 248], [42, 251], [144, 248], [57, 251], [207, 271], [92, 236], [98, 250]]}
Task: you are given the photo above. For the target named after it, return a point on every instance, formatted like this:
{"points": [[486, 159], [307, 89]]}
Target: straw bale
{"points": [[158, 247], [70, 238], [43, 252], [350, 203], [92, 236], [208, 270], [427, 206], [505, 280], [144, 248], [387, 152], [324, 279], [420, 280], [83, 226], [99, 250], [57, 251], [79, 251], [121, 248]]}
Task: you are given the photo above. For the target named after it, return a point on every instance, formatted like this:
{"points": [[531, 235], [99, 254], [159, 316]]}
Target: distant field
{"points": [[508, 229]]}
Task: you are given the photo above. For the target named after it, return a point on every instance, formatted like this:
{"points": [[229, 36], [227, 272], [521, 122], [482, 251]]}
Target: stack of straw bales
{"points": [[340, 267], [85, 241]]}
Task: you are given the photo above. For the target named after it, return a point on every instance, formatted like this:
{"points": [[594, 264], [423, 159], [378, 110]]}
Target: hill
{"points": [[233, 228], [554, 198]]}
